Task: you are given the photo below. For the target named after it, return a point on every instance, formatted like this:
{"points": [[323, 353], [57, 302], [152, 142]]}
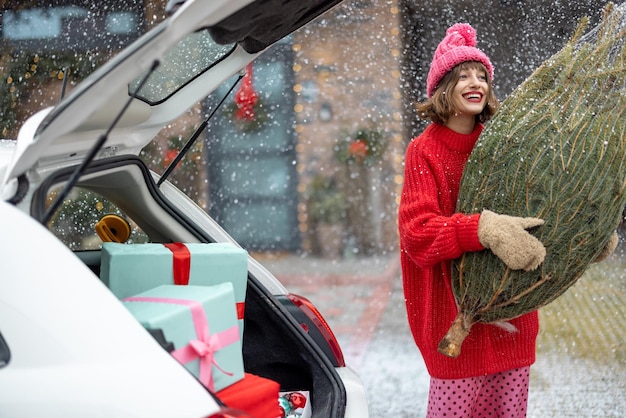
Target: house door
{"points": [[252, 163]]}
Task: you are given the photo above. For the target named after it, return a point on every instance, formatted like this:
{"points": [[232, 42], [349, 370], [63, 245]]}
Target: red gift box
{"points": [[253, 394]]}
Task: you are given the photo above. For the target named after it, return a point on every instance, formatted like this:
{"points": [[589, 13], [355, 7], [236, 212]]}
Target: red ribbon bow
{"points": [[181, 269], [182, 262]]}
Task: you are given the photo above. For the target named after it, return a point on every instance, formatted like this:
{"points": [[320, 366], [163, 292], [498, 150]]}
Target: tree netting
{"points": [[556, 150]]}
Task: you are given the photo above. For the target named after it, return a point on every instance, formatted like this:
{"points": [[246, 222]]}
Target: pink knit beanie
{"points": [[459, 45]]}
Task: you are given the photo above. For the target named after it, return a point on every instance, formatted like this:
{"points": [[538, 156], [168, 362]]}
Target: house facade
{"points": [[321, 167]]}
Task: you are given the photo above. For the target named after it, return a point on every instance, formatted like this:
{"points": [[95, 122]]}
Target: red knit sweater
{"points": [[431, 235]]}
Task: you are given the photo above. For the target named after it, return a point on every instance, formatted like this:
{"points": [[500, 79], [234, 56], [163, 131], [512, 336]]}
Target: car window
{"points": [[191, 57], [74, 222]]}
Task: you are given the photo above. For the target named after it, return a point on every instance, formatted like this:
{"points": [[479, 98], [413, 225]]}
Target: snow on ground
{"points": [[581, 359], [564, 386], [561, 385]]}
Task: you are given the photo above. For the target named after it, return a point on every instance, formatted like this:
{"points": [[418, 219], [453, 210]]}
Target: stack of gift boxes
{"points": [[192, 297]]}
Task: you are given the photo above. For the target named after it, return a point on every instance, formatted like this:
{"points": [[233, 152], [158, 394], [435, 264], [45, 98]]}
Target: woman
{"points": [[490, 376]]}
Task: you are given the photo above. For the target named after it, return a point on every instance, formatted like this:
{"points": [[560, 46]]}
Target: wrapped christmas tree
{"points": [[556, 150]]}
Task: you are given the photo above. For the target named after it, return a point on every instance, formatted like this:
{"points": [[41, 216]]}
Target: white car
{"points": [[68, 346]]}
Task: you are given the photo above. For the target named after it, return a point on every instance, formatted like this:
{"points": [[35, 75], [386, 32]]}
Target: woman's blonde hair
{"points": [[439, 108]]}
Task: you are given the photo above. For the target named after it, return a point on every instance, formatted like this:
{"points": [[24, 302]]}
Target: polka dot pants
{"points": [[499, 395]]}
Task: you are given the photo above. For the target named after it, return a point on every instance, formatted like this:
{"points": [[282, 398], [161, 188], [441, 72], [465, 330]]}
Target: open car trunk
{"points": [[275, 345]]}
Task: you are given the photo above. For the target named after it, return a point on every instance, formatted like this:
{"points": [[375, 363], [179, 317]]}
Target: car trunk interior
{"points": [[274, 344]]}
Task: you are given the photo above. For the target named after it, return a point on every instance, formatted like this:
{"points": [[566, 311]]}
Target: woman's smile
{"points": [[473, 96]]}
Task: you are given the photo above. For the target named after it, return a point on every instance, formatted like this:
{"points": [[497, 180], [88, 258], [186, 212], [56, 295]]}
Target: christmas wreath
{"points": [[362, 146]]}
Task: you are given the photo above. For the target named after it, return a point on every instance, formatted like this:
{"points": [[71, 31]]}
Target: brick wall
{"points": [[349, 61]]}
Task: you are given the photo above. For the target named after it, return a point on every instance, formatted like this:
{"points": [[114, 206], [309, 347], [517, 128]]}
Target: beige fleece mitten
{"points": [[608, 248], [507, 238]]}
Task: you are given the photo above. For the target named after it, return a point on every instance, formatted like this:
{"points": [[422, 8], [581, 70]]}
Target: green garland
{"points": [[326, 201], [25, 71]]}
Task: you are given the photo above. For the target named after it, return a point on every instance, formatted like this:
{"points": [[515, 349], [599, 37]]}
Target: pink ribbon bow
{"points": [[205, 346]]}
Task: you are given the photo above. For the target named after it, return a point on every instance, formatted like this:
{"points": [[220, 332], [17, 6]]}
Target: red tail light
{"points": [[316, 317], [229, 413]]}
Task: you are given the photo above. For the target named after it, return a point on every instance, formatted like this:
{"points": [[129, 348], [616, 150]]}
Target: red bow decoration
{"points": [[246, 97]]}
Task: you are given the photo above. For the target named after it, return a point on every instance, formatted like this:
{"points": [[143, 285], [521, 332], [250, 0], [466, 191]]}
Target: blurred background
{"points": [[309, 178], [316, 167]]}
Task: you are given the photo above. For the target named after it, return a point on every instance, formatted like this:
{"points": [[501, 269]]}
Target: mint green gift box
{"points": [[129, 269], [201, 323]]}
